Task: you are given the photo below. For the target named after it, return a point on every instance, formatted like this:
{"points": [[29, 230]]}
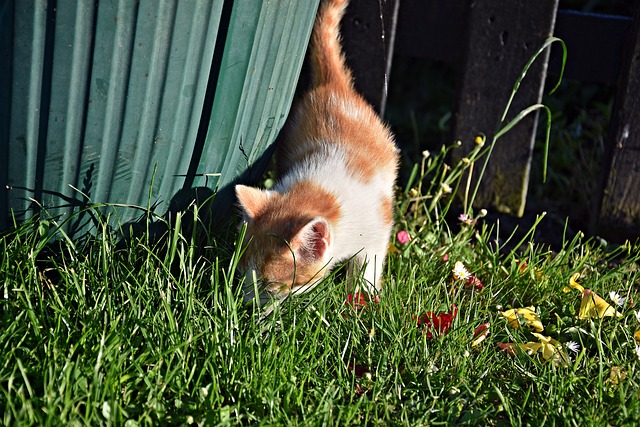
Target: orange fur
{"points": [[386, 206], [327, 61], [320, 118], [275, 222]]}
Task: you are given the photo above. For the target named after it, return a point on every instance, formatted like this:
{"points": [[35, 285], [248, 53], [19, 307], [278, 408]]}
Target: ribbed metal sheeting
{"points": [[254, 93], [102, 102]]}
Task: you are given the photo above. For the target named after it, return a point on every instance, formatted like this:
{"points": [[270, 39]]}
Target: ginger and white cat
{"points": [[334, 201]]}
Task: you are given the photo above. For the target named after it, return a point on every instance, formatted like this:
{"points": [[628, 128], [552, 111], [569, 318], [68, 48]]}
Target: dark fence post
{"points": [[618, 214], [368, 33], [501, 38]]}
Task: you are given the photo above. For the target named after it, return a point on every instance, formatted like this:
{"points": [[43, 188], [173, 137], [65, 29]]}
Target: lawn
{"points": [[154, 331], [476, 325]]}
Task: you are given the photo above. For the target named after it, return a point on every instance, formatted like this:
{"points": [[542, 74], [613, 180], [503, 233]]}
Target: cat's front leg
{"points": [[364, 273]]}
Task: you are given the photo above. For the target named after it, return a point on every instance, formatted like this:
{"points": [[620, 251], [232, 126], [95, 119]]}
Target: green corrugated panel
{"points": [[107, 97], [254, 93]]}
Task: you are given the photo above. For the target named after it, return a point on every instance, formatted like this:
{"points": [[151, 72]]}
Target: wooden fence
{"points": [[490, 42]]}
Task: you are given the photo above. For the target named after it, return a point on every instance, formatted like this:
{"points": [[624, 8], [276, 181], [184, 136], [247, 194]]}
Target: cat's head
{"points": [[287, 240]]}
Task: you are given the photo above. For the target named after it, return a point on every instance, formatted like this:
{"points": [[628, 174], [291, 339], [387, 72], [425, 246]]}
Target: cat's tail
{"points": [[328, 65]]}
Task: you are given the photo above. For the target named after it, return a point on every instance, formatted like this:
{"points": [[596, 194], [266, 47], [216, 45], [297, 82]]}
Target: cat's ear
{"points": [[251, 199], [313, 240]]}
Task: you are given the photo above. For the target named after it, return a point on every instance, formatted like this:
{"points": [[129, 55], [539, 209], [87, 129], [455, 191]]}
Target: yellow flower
{"points": [[637, 336], [574, 284], [526, 315], [547, 346], [592, 305], [550, 349], [479, 140], [530, 348]]}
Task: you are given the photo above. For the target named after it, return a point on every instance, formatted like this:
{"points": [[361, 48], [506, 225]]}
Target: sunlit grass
{"points": [[153, 332]]}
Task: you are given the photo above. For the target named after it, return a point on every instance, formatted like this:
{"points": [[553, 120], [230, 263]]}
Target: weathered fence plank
{"points": [[595, 45], [501, 37], [368, 33], [431, 29], [619, 211]]}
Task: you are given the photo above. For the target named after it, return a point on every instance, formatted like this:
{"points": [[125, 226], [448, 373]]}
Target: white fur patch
{"points": [[362, 228]]}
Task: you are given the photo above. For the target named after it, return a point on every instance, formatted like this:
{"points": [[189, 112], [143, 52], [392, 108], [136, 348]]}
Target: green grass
{"points": [[155, 332]]}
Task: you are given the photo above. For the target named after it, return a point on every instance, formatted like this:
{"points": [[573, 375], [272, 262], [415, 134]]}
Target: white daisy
{"points": [[638, 351], [616, 298], [573, 346], [637, 313], [460, 272]]}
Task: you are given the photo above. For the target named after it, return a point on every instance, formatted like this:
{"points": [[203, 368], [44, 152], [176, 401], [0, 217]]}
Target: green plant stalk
{"points": [[502, 128]]}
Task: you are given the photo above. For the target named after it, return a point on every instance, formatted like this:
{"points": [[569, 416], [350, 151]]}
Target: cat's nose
{"points": [[279, 288]]}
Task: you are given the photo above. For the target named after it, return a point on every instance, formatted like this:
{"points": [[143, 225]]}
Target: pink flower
{"points": [[403, 237], [466, 219]]}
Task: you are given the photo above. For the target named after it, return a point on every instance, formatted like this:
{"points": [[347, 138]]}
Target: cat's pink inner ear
{"points": [[251, 199], [313, 240]]}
